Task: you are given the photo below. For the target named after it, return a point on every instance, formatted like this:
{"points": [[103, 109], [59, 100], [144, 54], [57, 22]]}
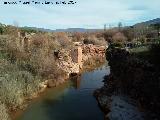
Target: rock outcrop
{"points": [[71, 61]]}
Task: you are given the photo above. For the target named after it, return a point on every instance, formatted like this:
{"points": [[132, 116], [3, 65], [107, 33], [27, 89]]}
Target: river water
{"points": [[72, 100]]}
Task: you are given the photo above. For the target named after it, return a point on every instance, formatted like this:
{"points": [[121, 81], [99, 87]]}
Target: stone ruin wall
{"points": [[78, 55], [70, 60]]}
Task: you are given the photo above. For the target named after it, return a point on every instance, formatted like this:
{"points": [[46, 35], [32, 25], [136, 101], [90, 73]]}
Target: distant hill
{"points": [[147, 23], [37, 29], [63, 30], [142, 24], [77, 30]]}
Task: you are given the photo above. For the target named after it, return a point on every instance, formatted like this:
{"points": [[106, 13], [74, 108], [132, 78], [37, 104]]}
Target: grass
{"points": [[3, 54], [3, 112]]}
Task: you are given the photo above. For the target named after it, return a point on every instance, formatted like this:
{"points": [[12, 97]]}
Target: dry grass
{"points": [[3, 112], [15, 84]]}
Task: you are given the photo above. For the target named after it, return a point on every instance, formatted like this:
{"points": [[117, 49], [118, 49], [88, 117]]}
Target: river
{"points": [[72, 100]]}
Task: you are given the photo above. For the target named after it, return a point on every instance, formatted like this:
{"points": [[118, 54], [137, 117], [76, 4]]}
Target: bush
{"points": [[77, 37], [22, 70], [29, 30], [3, 112], [155, 55], [63, 39], [88, 41], [2, 28], [39, 40], [15, 85], [3, 41], [115, 45], [109, 34], [11, 91], [92, 39], [119, 38]]}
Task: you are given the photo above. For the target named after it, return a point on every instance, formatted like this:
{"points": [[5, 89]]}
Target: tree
{"points": [[119, 26], [157, 27], [1, 28], [109, 34], [129, 33], [104, 27]]}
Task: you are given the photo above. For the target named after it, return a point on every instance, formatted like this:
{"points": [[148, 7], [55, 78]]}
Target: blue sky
{"points": [[83, 14]]}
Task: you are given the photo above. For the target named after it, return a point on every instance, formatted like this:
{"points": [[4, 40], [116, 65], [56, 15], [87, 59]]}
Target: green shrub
{"points": [[11, 91], [154, 55], [115, 45], [16, 84], [29, 30], [3, 41]]}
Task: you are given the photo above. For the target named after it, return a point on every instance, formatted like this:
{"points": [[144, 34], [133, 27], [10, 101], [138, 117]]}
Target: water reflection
{"points": [[76, 81]]}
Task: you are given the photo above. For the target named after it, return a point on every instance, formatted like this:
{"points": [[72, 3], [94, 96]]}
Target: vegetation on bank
{"points": [[27, 59], [136, 74], [150, 54]]}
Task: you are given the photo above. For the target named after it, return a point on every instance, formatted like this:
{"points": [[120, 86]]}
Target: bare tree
{"points": [[119, 26]]}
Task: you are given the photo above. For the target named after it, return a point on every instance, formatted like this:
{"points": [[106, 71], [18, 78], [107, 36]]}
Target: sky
{"points": [[91, 14]]}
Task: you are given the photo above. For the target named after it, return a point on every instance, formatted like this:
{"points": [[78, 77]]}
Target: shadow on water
{"points": [[72, 101]]}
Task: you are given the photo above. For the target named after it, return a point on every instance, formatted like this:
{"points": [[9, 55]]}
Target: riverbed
{"points": [[72, 100]]}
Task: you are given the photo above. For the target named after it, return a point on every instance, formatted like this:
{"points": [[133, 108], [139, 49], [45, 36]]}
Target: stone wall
{"points": [[91, 50], [72, 60]]}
